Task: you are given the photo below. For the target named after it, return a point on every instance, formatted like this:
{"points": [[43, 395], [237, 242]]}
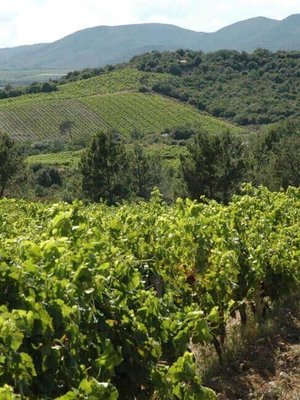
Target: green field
{"points": [[108, 101]]}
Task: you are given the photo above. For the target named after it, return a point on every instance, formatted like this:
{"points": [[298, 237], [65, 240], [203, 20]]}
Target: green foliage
{"points": [[48, 176], [10, 161], [214, 165], [287, 165], [105, 169], [181, 382], [9, 91], [66, 127], [275, 161], [247, 88], [146, 172], [105, 301], [62, 158]]}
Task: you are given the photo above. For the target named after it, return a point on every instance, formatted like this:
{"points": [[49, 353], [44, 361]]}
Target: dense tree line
{"points": [[211, 164], [248, 88], [86, 73], [33, 88], [214, 165], [217, 164]]}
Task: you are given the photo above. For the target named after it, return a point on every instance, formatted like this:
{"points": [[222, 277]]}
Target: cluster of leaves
{"points": [[101, 302], [275, 157], [247, 88], [215, 165]]}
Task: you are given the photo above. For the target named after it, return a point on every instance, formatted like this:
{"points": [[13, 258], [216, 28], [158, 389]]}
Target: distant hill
{"points": [[110, 45]]}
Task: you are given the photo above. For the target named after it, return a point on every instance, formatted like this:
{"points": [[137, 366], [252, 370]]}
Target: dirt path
{"points": [[268, 368]]}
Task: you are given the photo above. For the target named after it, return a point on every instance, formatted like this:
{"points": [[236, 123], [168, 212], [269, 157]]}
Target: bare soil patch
{"points": [[263, 365]]}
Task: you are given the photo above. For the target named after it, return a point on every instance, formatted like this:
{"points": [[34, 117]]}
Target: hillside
{"points": [[112, 101], [98, 46], [248, 88]]}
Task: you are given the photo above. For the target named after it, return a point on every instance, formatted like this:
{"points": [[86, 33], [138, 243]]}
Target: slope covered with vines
{"points": [[111, 101]]}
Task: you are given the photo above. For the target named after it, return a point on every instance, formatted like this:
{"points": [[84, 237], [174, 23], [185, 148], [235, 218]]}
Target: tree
{"points": [[66, 127], [48, 176], [48, 87], [146, 172], [214, 166], [275, 157], [10, 161], [287, 164], [105, 169]]}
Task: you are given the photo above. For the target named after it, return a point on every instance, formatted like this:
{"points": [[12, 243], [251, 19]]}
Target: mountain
{"points": [[100, 46], [110, 45]]}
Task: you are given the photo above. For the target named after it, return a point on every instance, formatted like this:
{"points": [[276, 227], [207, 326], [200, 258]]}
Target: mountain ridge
{"points": [[102, 45]]}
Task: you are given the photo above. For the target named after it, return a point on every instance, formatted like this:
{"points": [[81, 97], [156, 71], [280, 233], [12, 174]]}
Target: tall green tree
{"points": [[214, 165], [105, 169], [10, 161], [275, 157], [287, 161], [146, 172]]}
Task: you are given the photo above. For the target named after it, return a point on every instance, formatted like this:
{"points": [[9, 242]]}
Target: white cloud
{"points": [[32, 21]]}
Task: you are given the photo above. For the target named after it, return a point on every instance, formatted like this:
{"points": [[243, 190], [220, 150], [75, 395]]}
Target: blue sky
{"points": [[36, 21]]}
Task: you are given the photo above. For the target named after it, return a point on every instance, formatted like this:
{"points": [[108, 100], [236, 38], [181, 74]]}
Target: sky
{"points": [[39, 21]]}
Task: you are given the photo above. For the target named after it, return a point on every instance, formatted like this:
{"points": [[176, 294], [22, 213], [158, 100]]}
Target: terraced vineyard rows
{"points": [[40, 120], [108, 101], [117, 81], [113, 82], [147, 113], [122, 112]]}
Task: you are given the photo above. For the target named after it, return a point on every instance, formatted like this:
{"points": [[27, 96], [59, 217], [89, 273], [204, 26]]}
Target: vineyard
{"points": [[108, 101], [103, 302], [63, 158]]}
